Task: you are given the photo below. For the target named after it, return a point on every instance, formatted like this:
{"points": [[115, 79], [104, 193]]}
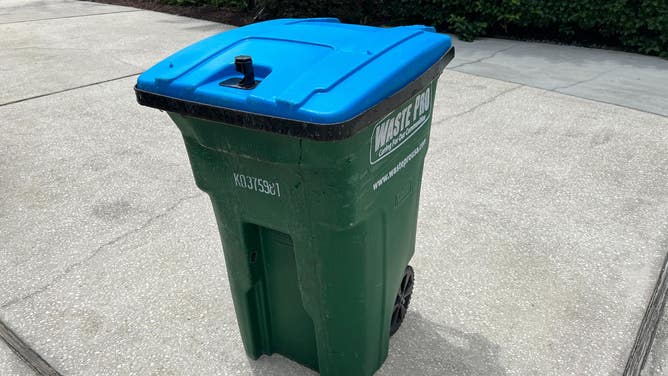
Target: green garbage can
{"points": [[309, 136]]}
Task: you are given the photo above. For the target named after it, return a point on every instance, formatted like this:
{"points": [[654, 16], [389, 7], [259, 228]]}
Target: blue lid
{"points": [[314, 70]]}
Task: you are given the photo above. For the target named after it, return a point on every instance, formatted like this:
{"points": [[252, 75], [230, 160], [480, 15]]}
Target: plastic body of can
{"points": [[317, 222]]}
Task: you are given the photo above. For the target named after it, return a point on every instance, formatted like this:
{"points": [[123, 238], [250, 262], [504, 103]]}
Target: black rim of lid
{"points": [[296, 128]]}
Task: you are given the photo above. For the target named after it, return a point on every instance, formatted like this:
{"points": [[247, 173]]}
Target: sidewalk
{"points": [[620, 78], [543, 223]]}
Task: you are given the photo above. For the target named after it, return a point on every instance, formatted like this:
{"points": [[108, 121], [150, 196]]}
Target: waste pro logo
{"points": [[399, 125]]}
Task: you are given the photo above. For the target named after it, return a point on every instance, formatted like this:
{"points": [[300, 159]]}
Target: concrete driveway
{"points": [[542, 233]]}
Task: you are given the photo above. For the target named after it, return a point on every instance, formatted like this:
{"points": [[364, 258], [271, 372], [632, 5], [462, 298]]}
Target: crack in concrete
{"points": [[488, 101], [69, 89], [597, 75], [81, 15], [111, 54], [47, 48], [548, 90], [96, 251], [482, 58]]}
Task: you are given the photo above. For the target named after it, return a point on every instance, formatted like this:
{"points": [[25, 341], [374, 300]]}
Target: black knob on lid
{"points": [[244, 65]]}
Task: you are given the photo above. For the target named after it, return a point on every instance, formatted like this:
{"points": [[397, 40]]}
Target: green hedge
{"points": [[237, 4], [634, 25]]}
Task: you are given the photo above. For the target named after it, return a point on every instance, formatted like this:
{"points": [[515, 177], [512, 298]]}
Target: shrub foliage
{"points": [[635, 25]]}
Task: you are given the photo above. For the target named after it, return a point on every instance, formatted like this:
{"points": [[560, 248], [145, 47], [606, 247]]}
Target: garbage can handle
{"points": [[244, 65]]}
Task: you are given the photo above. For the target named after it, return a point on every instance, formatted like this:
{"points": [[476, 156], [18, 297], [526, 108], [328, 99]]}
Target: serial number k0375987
{"points": [[253, 183]]}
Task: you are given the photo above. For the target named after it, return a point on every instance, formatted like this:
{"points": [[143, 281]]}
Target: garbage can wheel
{"points": [[402, 300]]}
